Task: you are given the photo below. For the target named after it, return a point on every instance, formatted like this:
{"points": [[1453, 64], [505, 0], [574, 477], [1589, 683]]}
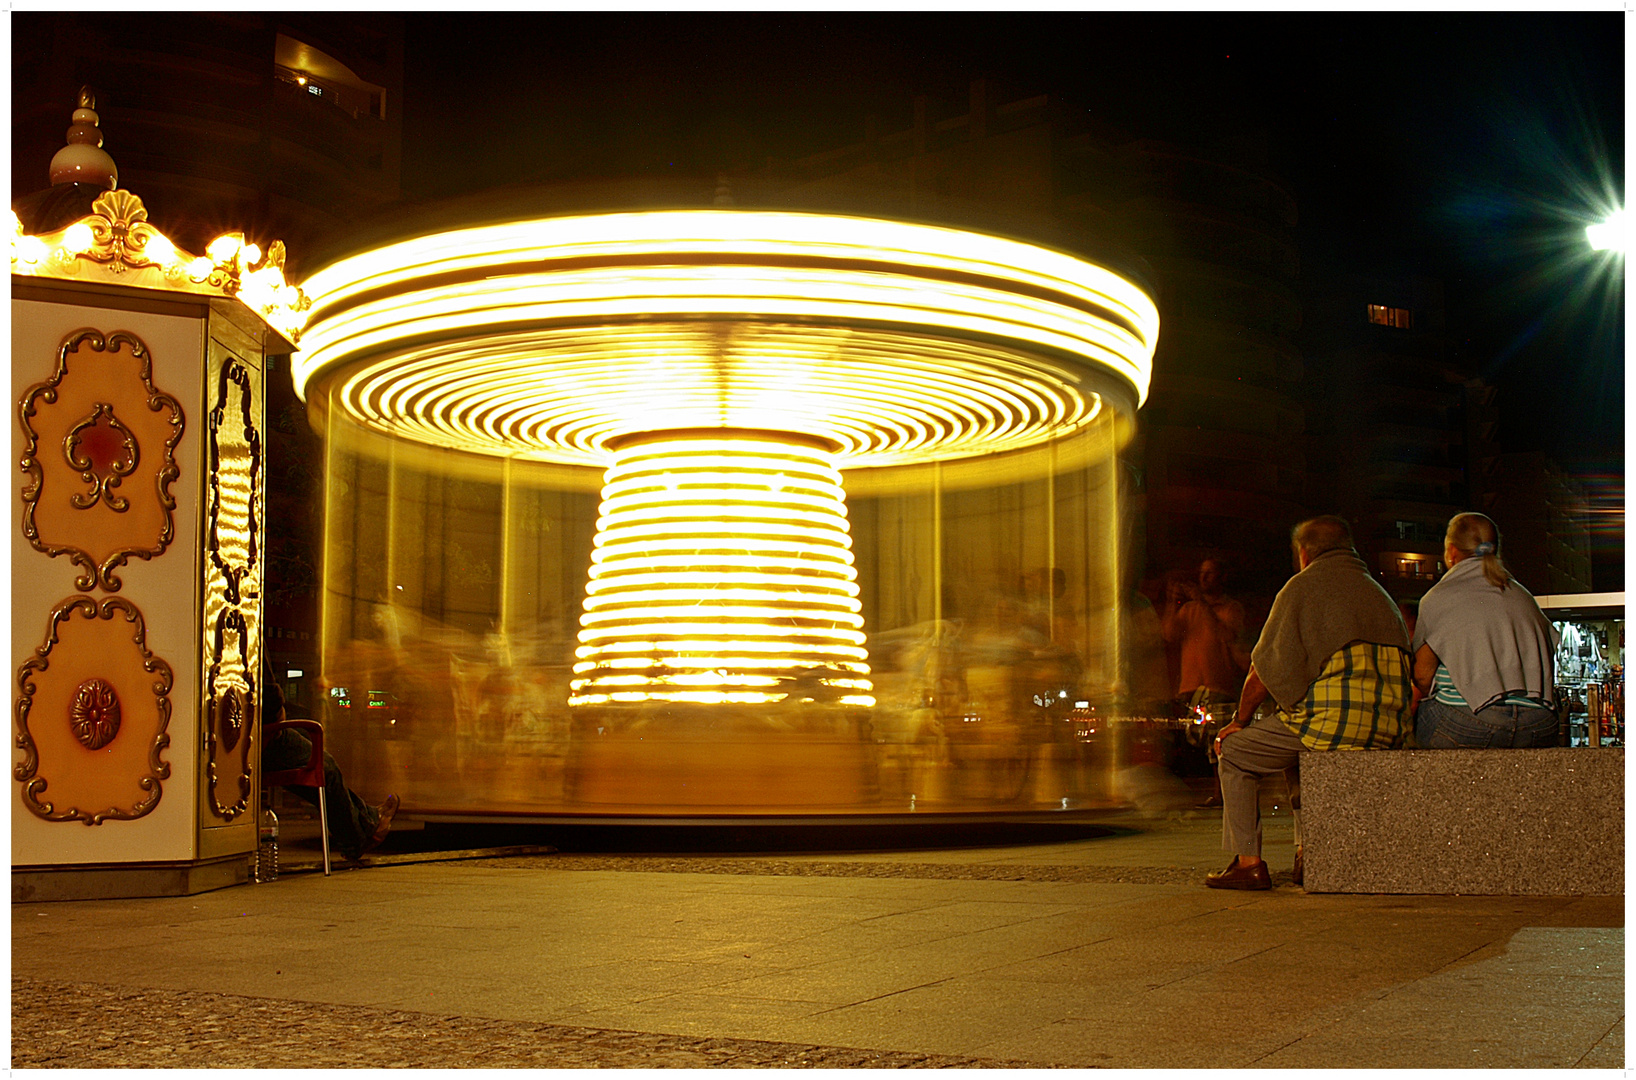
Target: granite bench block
{"points": [[1547, 822]]}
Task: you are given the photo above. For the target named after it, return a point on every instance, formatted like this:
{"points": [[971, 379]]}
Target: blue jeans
{"points": [[1443, 727]]}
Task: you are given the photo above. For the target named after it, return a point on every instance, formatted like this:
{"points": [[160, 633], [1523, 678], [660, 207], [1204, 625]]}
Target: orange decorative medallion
{"points": [[91, 716], [100, 452], [96, 714]]}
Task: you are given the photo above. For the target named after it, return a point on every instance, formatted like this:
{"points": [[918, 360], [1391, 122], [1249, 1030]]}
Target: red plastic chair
{"points": [[309, 775]]}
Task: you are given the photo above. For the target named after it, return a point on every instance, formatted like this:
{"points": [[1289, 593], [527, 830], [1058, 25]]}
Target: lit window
{"points": [[1381, 315]]}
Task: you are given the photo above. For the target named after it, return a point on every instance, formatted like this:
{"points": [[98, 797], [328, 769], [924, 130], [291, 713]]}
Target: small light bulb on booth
{"points": [[78, 238]]}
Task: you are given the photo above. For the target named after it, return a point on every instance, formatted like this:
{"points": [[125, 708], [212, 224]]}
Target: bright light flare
{"points": [[224, 249], [78, 238], [160, 250], [29, 249], [1608, 235], [722, 575]]}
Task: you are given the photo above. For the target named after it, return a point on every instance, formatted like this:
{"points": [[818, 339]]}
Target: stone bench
{"points": [[1548, 822]]}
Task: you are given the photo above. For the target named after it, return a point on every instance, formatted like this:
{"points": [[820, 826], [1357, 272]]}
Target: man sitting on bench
{"points": [[1334, 658]]}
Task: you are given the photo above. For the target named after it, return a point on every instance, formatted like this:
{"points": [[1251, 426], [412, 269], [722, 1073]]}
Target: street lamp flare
{"points": [[1608, 235]]}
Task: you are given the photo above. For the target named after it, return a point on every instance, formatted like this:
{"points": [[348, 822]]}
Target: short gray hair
{"points": [[1320, 534]]}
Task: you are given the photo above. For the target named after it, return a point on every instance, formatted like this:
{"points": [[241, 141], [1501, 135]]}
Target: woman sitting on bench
{"points": [[1484, 653]]}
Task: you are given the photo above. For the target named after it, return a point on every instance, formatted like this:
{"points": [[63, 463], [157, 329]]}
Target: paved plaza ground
{"points": [[1085, 951]]}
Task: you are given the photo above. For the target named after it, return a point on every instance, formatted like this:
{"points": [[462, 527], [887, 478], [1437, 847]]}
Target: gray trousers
{"points": [[1263, 749]]}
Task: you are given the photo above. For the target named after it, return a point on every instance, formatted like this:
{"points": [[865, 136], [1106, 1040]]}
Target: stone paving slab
{"points": [[1103, 953], [85, 1026]]}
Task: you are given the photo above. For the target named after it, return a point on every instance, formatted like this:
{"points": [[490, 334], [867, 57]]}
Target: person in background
{"points": [[355, 827], [1207, 624], [1484, 653], [1333, 658]]}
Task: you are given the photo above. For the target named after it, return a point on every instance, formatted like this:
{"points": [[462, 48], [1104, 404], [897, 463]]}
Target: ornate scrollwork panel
{"points": [[92, 714], [231, 690], [105, 452], [234, 477], [114, 426], [232, 582]]}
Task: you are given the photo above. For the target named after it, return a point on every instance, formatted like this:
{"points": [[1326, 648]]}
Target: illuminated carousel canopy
{"points": [[723, 365], [547, 339]]}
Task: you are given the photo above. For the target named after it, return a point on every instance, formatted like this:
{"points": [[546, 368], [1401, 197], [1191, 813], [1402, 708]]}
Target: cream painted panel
{"points": [[166, 589]]}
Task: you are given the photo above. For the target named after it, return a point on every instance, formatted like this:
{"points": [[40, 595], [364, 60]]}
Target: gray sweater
{"points": [[1318, 612]]}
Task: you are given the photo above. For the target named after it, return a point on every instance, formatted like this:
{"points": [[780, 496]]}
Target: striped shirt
{"points": [[1444, 690], [1359, 701]]}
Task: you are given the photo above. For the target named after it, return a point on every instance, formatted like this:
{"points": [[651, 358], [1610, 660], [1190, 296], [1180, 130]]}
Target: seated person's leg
{"points": [[289, 749], [1264, 748], [1240, 799], [351, 820]]}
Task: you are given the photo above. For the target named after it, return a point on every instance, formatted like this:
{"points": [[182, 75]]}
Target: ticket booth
{"points": [[137, 509]]}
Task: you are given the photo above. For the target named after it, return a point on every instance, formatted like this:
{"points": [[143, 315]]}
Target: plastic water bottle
{"points": [[266, 865]]}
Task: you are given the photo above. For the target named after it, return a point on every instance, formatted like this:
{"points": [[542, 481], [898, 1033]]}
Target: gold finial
{"points": [[83, 161]]}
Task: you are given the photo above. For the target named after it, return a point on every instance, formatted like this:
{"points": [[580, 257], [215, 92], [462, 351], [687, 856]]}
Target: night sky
{"points": [[1469, 147]]}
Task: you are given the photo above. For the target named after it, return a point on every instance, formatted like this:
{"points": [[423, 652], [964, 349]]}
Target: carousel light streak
{"points": [[735, 629], [722, 366], [559, 395]]}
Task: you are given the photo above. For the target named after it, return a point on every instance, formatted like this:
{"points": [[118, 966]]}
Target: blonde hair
{"points": [[1477, 535]]}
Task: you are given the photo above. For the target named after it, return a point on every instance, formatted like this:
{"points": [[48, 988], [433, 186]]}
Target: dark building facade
{"points": [[1218, 465], [1544, 516], [286, 126], [1407, 437]]}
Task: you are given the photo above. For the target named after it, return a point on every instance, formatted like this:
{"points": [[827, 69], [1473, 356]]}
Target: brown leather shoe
{"points": [[1299, 874], [383, 824], [1240, 877]]}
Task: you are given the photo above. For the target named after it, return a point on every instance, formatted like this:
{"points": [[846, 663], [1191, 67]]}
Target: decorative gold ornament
{"points": [[233, 514], [117, 238], [95, 715], [142, 533], [106, 760], [230, 719], [102, 475], [228, 749]]}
